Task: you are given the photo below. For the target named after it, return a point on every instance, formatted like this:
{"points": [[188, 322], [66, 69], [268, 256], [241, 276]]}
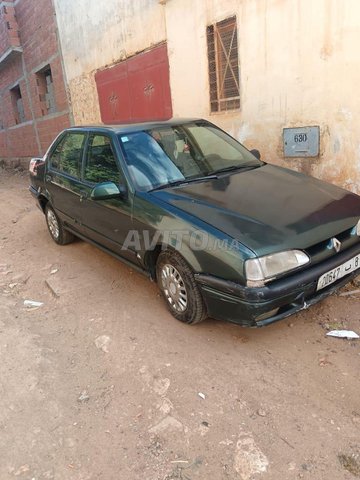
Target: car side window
{"points": [[100, 163], [67, 155]]}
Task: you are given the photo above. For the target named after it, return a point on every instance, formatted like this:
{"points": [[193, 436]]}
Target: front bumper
{"points": [[227, 300]]}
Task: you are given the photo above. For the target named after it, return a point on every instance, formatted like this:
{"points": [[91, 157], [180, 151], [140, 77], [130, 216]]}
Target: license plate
{"points": [[330, 277]]}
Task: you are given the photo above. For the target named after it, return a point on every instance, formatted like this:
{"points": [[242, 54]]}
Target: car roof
{"points": [[135, 127]]}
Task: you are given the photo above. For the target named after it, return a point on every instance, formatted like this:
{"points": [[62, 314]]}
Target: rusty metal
{"points": [[136, 89]]}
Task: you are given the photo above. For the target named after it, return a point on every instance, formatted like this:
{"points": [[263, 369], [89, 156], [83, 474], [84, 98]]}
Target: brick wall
{"points": [[9, 32], [49, 129], [36, 34], [3, 144], [20, 140]]}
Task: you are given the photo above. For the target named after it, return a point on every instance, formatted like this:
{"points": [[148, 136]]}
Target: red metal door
{"points": [[137, 89]]}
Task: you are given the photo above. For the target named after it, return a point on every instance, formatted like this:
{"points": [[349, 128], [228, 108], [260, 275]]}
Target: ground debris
{"points": [[21, 470], [249, 459], [32, 304], [168, 423], [351, 463], [343, 334], [261, 412], [102, 343], [83, 397], [52, 289]]}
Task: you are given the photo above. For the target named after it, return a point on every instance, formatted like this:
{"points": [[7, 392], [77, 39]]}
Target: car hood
{"points": [[268, 208]]}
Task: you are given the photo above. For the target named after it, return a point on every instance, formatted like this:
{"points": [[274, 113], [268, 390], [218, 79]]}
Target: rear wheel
{"points": [[56, 227], [179, 289]]}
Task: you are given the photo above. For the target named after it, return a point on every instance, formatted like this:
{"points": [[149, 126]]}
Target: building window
{"points": [[17, 103], [46, 93], [223, 60]]}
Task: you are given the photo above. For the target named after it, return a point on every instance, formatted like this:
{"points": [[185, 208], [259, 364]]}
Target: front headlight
{"points": [[260, 270]]}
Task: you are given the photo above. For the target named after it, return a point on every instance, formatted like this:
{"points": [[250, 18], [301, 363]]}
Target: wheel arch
{"points": [[43, 201], [151, 257]]}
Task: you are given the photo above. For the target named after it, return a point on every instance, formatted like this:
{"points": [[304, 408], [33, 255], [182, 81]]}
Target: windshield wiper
{"points": [[232, 168], [177, 183]]}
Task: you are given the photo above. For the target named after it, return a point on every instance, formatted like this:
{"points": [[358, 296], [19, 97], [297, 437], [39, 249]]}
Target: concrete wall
{"points": [[299, 66]]}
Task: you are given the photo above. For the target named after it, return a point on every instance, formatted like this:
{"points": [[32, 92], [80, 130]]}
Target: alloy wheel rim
{"points": [[174, 288], [53, 224]]}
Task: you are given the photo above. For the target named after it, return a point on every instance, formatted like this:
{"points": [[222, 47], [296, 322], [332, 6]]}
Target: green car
{"points": [[224, 234]]}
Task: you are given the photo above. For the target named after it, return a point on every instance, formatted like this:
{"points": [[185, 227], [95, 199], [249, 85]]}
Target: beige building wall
{"points": [[299, 66]]}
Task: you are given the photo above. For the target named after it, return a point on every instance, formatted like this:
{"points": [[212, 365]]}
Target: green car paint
{"points": [[259, 210]]}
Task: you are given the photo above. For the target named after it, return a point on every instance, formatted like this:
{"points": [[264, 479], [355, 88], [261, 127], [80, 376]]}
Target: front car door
{"points": [[63, 177], [107, 222]]}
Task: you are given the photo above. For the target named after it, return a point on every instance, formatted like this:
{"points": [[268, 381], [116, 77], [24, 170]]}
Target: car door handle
{"points": [[83, 195]]}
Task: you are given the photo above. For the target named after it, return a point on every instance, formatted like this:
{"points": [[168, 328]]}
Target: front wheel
{"points": [[179, 289], [56, 228]]}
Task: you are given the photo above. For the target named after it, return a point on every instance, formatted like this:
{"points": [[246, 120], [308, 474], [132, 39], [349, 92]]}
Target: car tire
{"points": [[56, 227], [179, 289]]}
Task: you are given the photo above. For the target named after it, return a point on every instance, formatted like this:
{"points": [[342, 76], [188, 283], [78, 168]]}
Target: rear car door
{"points": [[63, 177], [106, 222]]}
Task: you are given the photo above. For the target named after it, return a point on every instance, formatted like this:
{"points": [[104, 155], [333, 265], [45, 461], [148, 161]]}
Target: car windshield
{"points": [[181, 153]]}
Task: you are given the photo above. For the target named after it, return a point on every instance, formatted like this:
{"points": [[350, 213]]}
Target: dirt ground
{"points": [[102, 383]]}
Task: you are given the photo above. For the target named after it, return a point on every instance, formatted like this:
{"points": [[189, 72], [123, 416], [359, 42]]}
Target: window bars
{"points": [[223, 60]]}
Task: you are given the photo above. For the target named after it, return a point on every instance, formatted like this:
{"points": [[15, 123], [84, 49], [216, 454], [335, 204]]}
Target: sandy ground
{"points": [[102, 383]]}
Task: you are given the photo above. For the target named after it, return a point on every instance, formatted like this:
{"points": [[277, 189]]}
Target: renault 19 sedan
{"points": [[224, 234]]}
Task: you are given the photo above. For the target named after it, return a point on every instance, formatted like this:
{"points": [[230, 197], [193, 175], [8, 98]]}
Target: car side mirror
{"points": [[108, 190], [256, 153]]}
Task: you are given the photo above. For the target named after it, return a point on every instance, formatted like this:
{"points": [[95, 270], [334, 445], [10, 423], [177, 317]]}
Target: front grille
{"points": [[321, 251]]}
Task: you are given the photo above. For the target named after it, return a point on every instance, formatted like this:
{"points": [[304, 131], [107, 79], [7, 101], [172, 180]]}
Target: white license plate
{"points": [[330, 277]]}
